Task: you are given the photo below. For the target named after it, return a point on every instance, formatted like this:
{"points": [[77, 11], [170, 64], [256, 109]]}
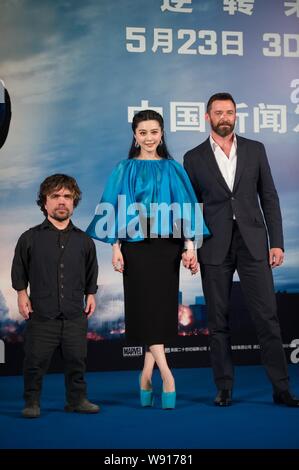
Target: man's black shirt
{"points": [[59, 265]]}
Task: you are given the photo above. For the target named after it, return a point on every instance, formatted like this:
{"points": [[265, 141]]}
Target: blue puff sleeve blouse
{"points": [[140, 183]]}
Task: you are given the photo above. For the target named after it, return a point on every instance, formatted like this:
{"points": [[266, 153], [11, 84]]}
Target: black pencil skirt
{"points": [[151, 287]]}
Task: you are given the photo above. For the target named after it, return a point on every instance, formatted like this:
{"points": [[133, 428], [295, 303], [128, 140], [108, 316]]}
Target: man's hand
{"points": [[24, 304], [276, 256], [90, 305], [190, 261]]}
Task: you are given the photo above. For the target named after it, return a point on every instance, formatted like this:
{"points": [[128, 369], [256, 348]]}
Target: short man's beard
{"points": [[61, 218], [223, 131]]}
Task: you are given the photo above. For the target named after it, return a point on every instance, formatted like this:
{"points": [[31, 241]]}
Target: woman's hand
{"points": [[117, 258], [189, 260]]}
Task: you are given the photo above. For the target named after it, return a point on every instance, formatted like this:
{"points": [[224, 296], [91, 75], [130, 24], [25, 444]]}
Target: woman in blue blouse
{"points": [[147, 248]]}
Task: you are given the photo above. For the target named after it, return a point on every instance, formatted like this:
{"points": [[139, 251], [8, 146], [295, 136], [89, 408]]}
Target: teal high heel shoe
{"points": [[168, 400], [146, 396]]}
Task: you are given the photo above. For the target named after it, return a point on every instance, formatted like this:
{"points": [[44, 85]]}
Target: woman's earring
{"points": [[161, 142], [136, 144]]}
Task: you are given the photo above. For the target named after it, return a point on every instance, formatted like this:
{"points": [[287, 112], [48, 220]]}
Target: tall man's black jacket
{"points": [[59, 265], [253, 200]]}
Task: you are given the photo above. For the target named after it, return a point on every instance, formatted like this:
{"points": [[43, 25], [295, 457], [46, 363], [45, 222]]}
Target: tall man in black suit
{"points": [[232, 177]]}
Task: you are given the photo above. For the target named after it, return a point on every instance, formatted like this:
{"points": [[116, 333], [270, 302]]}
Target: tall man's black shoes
{"points": [[223, 398], [285, 398]]}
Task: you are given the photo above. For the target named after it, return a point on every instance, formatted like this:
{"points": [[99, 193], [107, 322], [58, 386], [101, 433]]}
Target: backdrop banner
{"points": [[76, 72]]}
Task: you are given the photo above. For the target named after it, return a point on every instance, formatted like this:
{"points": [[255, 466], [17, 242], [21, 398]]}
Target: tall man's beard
{"points": [[223, 131]]}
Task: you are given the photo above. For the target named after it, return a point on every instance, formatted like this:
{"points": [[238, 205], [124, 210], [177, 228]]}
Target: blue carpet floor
{"points": [[253, 422]]}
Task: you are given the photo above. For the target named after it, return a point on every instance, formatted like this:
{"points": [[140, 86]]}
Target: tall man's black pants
{"points": [[257, 285]]}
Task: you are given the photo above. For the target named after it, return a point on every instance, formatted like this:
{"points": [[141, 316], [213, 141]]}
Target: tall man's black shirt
{"points": [[59, 265]]}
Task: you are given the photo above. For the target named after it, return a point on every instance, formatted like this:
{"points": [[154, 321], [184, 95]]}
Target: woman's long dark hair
{"points": [[148, 115]]}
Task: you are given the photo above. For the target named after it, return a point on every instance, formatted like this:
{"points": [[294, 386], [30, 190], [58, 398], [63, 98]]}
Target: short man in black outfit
{"points": [[59, 262]]}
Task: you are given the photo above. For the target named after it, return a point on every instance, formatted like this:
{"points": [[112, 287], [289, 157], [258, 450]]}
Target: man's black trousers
{"points": [[42, 337], [257, 285]]}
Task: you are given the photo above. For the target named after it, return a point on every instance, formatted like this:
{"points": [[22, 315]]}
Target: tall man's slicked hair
{"points": [[220, 97]]}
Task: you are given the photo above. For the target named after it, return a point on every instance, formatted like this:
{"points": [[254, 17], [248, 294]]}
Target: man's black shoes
{"points": [[31, 410], [223, 398], [285, 398], [85, 406]]}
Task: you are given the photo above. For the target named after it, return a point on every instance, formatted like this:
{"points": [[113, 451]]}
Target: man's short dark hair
{"points": [[220, 97], [57, 182]]}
